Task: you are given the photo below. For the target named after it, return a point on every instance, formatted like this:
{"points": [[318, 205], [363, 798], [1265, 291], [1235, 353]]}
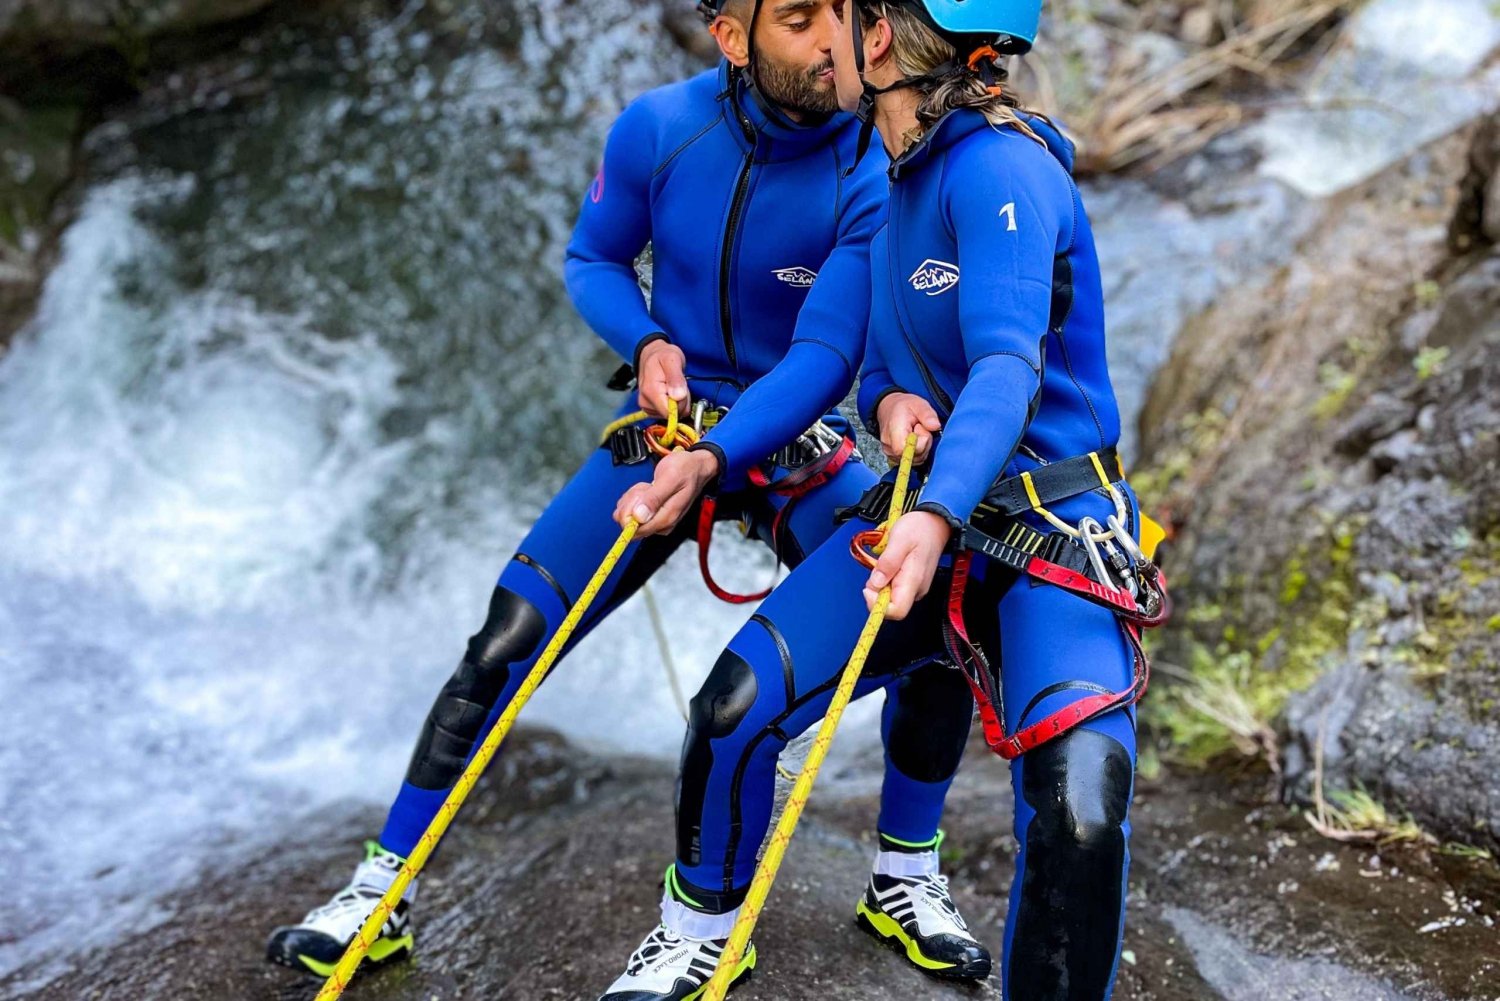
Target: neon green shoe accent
{"points": [[324, 970], [746, 965], [886, 927], [932, 845], [382, 950], [675, 888], [373, 848]]}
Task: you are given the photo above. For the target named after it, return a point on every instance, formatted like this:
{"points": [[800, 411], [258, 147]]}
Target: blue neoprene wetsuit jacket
{"points": [[770, 321], [988, 303]]}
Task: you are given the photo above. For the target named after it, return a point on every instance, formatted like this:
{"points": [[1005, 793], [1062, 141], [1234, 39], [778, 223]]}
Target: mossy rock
{"points": [[36, 159]]}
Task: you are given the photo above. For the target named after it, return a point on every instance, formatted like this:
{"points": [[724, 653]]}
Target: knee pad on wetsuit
{"points": [[511, 634], [716, 711], [929, 723], [1072, 890]]}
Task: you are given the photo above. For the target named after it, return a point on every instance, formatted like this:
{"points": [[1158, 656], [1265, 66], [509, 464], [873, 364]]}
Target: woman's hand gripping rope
{"points": [[765, 872], [336, 983]]}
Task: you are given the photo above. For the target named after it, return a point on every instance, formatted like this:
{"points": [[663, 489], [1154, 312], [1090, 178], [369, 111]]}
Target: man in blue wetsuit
{"points": [[744, 181]]}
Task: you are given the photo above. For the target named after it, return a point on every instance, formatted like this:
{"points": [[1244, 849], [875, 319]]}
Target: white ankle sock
{"points": [[906, 863], [682, 920]]}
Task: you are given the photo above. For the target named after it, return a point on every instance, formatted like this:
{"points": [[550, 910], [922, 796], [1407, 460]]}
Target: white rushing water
{"points": [[1405, 73], [191, 645], [263, 451]]}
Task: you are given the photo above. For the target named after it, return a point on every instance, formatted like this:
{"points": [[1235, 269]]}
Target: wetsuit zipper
{"points": [[737, 206]]}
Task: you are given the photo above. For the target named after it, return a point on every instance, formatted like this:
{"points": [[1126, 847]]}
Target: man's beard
{"points": [[796, 90]]}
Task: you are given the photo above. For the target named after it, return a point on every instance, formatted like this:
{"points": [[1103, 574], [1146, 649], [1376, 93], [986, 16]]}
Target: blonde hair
{"points": [[919, 50]]}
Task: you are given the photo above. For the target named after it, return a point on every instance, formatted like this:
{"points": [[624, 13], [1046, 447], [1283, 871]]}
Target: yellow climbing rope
{"points": [[765, 872], [337, 981], [661, 439]]}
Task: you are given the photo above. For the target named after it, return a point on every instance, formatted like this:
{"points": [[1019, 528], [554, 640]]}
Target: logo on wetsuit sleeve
{"points": [[596, 190], [934, 277], [800, 277]]}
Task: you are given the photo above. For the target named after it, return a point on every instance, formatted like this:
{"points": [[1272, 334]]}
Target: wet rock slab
{"points": [[550, 879]]}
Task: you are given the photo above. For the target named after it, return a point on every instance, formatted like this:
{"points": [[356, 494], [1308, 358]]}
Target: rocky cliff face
{"points": [[1327, 443], [60, 61], [40, 35]]}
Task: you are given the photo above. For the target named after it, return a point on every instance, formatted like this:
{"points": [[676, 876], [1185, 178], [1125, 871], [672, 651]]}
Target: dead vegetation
{"points": [[1353, 815], [1149, 115]]}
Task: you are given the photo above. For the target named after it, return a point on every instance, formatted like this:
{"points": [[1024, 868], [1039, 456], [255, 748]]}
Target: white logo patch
{"points": [[934, 277], [800, 277], [1009, 215]]}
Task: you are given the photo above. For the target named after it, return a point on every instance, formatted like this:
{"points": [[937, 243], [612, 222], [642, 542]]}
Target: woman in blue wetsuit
{"points": [[987, 340]]}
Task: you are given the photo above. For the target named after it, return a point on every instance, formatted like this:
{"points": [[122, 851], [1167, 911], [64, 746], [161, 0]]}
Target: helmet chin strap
{"points": [[867, 100]]}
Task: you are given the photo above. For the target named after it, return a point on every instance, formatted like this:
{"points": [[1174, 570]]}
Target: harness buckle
{"points": [[627, 446]]}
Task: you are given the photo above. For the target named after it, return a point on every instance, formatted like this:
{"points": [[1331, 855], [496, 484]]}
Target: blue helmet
{"points": [[1009, 26]]}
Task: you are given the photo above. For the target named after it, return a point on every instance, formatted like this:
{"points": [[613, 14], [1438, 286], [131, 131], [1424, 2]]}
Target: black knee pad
{"points": [[1072, 890], [719, 707], [930, 723], [511, 633], [726, 696]]}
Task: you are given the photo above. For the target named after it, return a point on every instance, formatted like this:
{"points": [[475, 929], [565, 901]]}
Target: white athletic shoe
{"points": [[915, 915], [315, 945], [669, 967]]}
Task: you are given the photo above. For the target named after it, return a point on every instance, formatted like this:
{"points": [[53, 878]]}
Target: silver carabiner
{"points": [[1127, 541], [828, 440], [1088, 528]]}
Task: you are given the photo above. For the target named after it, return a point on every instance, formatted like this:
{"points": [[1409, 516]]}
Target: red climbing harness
{"points": [[1104, 566], [797, 483]]}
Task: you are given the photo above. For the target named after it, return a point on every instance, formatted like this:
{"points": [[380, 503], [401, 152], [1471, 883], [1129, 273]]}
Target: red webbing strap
{"points": [[793, 486], [705, 538], [969, 657], [981, 679], [809, 477], [1072, 581], [1119, 602], [1077, 713]]}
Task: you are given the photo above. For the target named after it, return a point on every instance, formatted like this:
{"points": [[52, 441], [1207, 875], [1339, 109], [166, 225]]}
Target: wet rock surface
{"points": [[1327, 446], [62, 64], [551, 877]]}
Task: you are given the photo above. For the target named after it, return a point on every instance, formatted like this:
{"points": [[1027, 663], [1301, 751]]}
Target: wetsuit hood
{"points": [[961, 123]]}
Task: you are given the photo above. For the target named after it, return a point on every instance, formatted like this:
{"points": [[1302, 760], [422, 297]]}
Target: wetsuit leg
{"points": [[925, 723], [776, 679], [534, 593], [1072, 796]]}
